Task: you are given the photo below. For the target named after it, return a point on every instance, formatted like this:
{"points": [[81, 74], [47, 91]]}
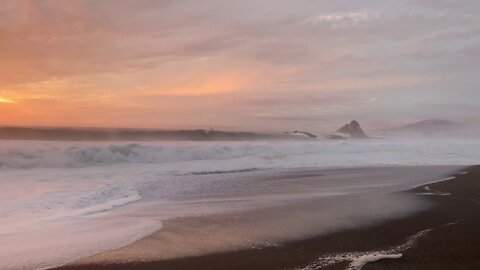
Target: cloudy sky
{"points": [[257, 65]]}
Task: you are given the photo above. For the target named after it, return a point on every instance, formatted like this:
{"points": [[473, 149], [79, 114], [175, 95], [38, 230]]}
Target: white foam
{"points": [[47, 186], [357, 260], [238, 155], [55, 243], [437, 181], [369, 258], [433, 192]]}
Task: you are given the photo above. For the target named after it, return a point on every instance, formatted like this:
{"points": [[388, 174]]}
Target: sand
{"points": [[445, 236]]}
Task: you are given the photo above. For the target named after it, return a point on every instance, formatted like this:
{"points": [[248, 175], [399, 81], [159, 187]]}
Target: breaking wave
{"points": [[25, 155]]}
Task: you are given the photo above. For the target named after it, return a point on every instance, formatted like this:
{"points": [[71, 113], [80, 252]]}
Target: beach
{"points": [[444, 235], [66, 203], [239, 135]]}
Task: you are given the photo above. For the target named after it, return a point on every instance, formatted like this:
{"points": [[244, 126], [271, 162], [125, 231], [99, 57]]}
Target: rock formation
{"points": [[308, 134], [353, 130]]}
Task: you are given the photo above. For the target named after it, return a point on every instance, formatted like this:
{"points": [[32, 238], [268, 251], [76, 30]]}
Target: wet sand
{"points": [[452, 239]]}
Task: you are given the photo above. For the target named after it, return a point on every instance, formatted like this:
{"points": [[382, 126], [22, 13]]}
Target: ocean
{"points": [[61, 201]]}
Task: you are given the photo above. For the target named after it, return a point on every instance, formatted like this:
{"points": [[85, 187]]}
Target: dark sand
{"points": [[454, 246]]}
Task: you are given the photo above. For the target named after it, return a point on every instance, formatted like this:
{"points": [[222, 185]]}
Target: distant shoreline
{"points": [[447, 237]]}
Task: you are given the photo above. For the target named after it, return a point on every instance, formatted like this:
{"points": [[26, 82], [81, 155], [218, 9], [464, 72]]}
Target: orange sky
{"points": [[269, 66]]}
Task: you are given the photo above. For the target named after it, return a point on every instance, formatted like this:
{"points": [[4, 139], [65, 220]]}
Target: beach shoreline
{"points": [[454, 201]]}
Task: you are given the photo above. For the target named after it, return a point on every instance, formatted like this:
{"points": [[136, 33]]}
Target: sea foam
{"points": [[57, 190]]}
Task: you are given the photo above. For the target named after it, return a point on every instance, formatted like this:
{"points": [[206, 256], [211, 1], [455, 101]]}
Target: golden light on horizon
{"points": [[223, 66], [212, 84], [6, 100]]}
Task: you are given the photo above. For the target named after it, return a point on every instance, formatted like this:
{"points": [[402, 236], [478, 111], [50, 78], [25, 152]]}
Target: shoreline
{"points": [[453, 214]]}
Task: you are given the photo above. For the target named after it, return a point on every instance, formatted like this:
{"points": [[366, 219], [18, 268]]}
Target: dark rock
{"points": [[308, 134], [353, 129]]}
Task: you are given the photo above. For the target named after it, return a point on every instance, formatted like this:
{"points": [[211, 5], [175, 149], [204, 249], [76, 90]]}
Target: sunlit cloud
{"points": [[211, 84], [221, 62], [6, 100]]}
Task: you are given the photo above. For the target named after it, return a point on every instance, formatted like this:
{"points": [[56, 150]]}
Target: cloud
{"points": [[290, 118], [343, 19], [6, 100], [224, 61]]}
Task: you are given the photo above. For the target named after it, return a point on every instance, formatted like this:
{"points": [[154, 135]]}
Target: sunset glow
{"points": [[240, 135], [6, 100], [233, 66]]}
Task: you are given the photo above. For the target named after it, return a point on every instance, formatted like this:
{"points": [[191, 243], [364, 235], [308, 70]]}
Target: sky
{"points": [[271, 65]]}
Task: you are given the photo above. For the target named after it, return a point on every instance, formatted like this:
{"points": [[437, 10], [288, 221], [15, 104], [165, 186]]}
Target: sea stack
{"points": [[353, 129]]}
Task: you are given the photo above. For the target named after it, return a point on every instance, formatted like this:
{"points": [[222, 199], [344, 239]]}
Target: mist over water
{"points": [[98, 196], [143, 130], [239, 155]]}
